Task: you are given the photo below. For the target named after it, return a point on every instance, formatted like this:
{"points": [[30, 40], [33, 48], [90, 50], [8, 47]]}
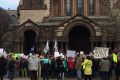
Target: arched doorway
{"points": [[29, 41], [79, 39]]}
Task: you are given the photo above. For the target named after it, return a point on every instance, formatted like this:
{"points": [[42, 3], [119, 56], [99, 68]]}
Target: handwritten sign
{"points": [[100, 52]]}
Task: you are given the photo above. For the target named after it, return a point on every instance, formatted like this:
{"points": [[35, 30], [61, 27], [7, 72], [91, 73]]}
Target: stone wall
{"points": [[105, 9], [35, 15]]}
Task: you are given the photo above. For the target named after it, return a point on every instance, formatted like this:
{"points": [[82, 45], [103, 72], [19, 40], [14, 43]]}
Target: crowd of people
{"points": [[60, 68]]}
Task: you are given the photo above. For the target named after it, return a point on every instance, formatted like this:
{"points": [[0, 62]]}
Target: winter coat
{"points": [[33, 63], [45, 64], [71, 64], [3, 64], [11, 69], [78, 63], [88, 67], [105, 65]]}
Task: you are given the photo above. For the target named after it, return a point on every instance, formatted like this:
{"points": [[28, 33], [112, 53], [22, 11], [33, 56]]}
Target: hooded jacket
{"points": [[88, 66]]}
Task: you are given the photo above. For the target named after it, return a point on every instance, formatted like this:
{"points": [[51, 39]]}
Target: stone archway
{"points": [[80, 32], [79, 39], [29, 41], [21, 38]]}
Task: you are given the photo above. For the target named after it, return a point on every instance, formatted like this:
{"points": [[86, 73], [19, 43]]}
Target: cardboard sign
{"points": [[100, 52], [71, 53], [1, 50], [81, 52]]}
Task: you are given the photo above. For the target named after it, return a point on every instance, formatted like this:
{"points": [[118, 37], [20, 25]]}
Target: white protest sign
{"points": [[100, 52], [22, 55], [1, 49], [4, 54], [56, 54], [61, 54], [71, 53], [81, 52]]}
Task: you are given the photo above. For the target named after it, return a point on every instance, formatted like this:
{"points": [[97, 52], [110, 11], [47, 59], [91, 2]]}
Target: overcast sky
{"points": [[11, 4]]}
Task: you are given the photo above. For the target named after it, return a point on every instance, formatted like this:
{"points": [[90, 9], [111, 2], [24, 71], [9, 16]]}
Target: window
{"points": [[39, 3], [68, 7], [28, 3], [80, 6], [91, 7]]}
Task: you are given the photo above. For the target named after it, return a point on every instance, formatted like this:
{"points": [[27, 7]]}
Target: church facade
{"points": [[77, 25]]}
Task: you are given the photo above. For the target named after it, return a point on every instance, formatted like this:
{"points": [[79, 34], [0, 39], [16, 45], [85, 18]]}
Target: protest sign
{"points": [[56, 54], [100, 52], [71, 53]]}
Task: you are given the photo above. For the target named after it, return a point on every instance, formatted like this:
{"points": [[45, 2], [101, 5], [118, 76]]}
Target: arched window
{"points": [[91, 7], [28, 3], [68, 8], [39, 3], [80, 6]]}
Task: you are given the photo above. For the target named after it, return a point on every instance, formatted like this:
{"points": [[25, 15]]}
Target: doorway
{"points": [[29, 41], [79, 39]]}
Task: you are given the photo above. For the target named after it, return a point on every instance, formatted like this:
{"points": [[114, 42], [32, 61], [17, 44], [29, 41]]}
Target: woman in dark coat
{"points": [[3, 70], [117, 70]]}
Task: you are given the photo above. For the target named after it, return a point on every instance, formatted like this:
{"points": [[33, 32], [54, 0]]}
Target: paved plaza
{"points": [[56, 79]]}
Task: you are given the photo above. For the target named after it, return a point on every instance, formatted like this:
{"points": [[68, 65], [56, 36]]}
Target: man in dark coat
{"points": [[3, 70], [117, 70]]}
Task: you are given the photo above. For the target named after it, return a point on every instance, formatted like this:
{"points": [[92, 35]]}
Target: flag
{"points": [[115, 58], [46, 49], [55, 47]]}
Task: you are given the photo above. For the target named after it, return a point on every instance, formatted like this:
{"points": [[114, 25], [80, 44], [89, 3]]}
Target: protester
{"points": [[33, 65], [71, 68], [65, 68], [17, 66], [117, 70], [87, 64], [11, 68], [45, 67], [78, 67], [53, 67], [3, 70], [104, 68], [59, 68]]}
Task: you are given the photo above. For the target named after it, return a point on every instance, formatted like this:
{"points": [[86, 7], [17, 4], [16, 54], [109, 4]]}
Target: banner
{"points": [[71, 53], [55, 47], [46, 49], [100, 52]]}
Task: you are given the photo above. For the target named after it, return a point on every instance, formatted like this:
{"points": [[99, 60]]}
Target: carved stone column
{"points": [[97, 13], [51, 8], [92, 43], [66, 45], [33, 4], [104, 44], [74, 7], [85, 8], [22, 45], [62, 8]]}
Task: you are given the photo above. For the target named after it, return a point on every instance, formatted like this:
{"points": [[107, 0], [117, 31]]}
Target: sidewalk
{"points": [[56, 79]]}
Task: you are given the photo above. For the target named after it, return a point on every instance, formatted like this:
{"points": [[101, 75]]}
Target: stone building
{"points": [[78, 25]]}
